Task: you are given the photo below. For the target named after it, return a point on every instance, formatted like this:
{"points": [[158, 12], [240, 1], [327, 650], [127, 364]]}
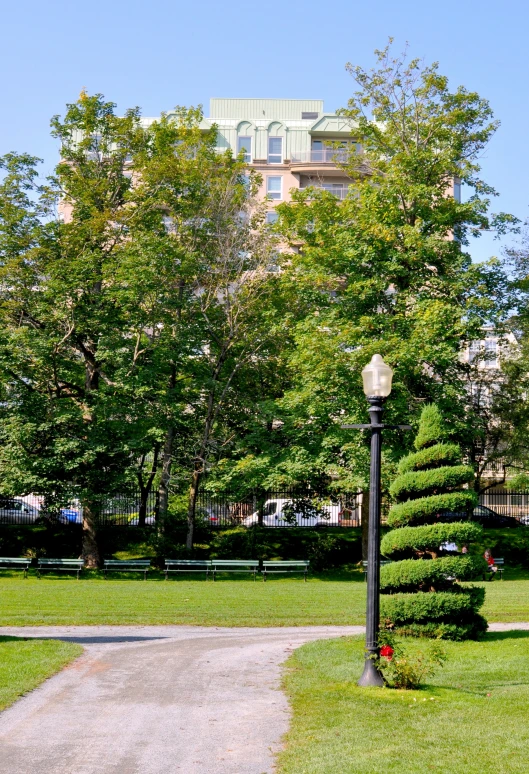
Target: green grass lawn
{"points": [[471, 717], [333, 598], [24, 664]]}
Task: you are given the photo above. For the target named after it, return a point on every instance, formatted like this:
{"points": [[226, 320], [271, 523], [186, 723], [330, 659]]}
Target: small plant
{"points": [[405, 670]]}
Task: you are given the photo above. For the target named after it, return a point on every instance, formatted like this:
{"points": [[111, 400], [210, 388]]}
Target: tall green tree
{"points": [[386, 270], [116, 315]]}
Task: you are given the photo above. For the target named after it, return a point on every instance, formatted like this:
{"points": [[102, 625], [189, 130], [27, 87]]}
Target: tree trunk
{"points": [[146, 486], [90, 548], [193, 494], [364, 516], [163, 489]]}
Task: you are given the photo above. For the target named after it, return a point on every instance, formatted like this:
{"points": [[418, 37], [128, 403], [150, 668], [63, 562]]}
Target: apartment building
{"points": [[292, 143]]}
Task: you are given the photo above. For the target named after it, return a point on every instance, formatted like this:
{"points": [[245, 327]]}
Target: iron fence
{"points": [[272, 508], [119, 510], [279, 509], [504, 503]]}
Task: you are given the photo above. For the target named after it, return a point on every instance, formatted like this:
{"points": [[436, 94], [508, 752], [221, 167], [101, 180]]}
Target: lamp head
{"points": [[377, 377]]}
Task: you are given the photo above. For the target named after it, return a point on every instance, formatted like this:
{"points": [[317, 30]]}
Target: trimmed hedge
{"points": [[440, 454], [410, 574], [456, 606], [425, 509], [409, 541], [420, 595], [435, 481]]}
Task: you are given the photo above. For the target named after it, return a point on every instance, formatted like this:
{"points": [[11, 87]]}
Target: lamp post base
{"points": [[371, 677]]}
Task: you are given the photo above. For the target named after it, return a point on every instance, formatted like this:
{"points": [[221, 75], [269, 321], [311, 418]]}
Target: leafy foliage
{"points": [[406, 670], [439, 607], [409, 541]]}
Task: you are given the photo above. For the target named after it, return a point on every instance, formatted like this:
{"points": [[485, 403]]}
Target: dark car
{"points": [[484, 516]]}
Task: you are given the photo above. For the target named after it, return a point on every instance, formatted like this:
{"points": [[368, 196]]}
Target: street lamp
{"points": [[377, 377]]}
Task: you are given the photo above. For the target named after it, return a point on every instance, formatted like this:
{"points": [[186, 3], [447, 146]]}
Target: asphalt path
{"points": [[152, 699]]}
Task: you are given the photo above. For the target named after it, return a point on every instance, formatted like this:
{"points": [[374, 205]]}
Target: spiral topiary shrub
{"points": [[421, 593]]}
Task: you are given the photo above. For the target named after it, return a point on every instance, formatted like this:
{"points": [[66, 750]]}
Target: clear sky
{"points": [[157, 54]]}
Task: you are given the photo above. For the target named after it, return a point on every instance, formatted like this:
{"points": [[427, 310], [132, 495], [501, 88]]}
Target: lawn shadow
{"points": [[510, 634], [88, 639]]}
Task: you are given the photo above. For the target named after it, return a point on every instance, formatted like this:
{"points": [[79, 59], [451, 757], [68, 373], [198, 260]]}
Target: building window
{"points": [[491, 352], [309, 114], [271, 217], [244, 145], [274, 186], [275, 150]]}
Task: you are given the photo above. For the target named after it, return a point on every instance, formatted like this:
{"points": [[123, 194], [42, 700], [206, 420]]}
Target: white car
{"points": [[15, 511], [279, 513]]}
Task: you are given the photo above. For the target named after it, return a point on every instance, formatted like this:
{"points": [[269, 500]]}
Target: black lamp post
{"points": [[377, 378]]}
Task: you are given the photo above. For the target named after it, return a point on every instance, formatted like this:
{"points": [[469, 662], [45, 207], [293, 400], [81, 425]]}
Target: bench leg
{"points": [[145, 575], [264, 576], [165, 574], [305, 576]]}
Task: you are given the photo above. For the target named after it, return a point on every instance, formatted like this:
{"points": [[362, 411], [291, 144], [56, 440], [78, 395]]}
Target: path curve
{"points": [[153, 699], [184, 700]]}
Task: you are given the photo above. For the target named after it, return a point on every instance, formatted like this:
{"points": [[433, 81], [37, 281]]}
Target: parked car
{"points": [[70, 516], [15, 511], [484, 516], [283, 512]]}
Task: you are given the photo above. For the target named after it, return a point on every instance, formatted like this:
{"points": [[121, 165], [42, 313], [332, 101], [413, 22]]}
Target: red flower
{"points": [[387, 652]]}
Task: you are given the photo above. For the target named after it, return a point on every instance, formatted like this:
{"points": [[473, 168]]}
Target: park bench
{"points": [[500, 564], [127, 565], [60, 565], [12, 563], [234, 565], [301, 566], [365, 566], [187, 565]]}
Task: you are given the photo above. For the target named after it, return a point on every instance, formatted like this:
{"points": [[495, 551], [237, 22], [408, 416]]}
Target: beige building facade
{"points": [[291, 143]]}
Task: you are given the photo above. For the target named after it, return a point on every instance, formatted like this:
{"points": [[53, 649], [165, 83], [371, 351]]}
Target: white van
{"points": [[274, 515]]}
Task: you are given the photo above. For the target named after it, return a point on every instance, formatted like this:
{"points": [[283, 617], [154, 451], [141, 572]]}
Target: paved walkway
{"points": [[153, 699], [172, 699]]}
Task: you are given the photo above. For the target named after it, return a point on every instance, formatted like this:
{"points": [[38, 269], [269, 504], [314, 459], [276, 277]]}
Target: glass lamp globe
{"points": [[377, 377]]}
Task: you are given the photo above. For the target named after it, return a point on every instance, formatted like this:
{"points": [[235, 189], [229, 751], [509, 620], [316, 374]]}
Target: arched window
{"points": [[244, 141], [275, 144]]}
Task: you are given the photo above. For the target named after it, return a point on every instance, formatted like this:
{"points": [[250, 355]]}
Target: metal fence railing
{"points": [[118, 510], [279, 508], [504, 503]]}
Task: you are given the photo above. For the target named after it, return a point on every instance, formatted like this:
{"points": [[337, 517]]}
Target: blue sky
{"points": [[158, 54]]}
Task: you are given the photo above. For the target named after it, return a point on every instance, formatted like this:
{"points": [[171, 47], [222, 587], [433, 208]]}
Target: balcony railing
{"points": [[325, 156], [339, 191]]}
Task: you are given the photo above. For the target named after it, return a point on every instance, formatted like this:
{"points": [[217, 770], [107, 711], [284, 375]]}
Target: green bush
{"points": [[434, 481], [421, 594], [411, 541], [425, 509], [440, 454], [323, 552], [456, 606], [405, 670], [410, 574]]}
